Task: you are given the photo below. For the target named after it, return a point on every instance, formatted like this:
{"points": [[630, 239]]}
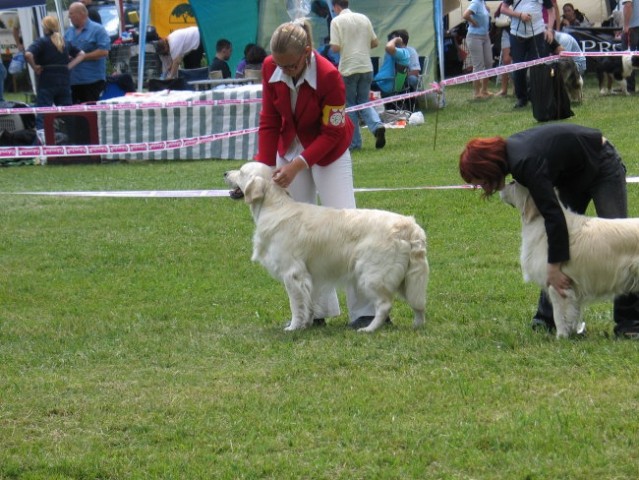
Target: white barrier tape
{"points": [[491, 72], [225, 193], [206, 193], [613, 53]]}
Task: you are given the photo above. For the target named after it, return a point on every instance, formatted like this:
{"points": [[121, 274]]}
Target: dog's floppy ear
{"points": [[529, 211], [254, 189]]}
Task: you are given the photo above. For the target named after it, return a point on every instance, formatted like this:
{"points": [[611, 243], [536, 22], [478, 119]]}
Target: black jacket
{"points": [[565, 156]]}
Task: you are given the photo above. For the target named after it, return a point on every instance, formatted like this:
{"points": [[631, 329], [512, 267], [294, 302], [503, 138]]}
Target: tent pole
{"points": [[144, 19]]}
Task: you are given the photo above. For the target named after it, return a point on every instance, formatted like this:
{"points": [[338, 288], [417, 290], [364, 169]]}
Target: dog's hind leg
{"points": [[299, 286], [413, 288], [416, 284], [382, 309]]}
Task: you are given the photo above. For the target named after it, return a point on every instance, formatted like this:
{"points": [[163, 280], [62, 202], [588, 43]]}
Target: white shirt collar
{"points": [[310, 75]]}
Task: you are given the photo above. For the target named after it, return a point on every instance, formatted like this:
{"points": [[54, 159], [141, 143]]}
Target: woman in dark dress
{"points": [[51, 59]]}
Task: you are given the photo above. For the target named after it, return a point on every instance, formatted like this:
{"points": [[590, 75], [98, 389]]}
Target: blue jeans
{"points": [[3, 77], [358, 87], [522, 50]]}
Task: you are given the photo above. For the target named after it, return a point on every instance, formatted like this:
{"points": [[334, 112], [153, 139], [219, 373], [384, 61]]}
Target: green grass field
{"points": [[137, 339]]}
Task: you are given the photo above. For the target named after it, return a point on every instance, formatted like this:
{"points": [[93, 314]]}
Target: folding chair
{"points": [[193, 74], [421, 102], [400, 86]]}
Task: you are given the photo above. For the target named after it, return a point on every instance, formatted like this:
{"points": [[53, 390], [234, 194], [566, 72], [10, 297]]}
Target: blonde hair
{"points": [[51, 24], [292, 37]]}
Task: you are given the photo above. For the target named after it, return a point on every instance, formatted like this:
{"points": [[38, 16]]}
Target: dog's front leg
{"points": [[566, 312], [299, 287]]}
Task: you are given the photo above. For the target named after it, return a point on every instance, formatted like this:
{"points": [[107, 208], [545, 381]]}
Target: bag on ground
{"points": [[547, 93]]}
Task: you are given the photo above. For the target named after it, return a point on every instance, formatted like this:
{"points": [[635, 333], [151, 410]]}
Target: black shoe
{"points": [[380, 137], [317, 322], [541, 325], [521, 103], [363, 322], [627, 333]]}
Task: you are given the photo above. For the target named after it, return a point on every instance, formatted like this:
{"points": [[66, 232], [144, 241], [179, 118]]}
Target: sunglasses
{"points": [[292, 66]]}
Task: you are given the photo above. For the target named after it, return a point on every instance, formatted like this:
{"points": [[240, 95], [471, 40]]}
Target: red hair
{"points": [[484, 161]]}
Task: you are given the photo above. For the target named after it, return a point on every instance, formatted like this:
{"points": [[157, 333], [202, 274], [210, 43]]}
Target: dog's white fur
{"points": [[310, 247], [604, 257]]}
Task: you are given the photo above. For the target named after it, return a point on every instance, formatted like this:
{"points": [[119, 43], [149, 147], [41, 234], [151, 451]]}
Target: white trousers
{"points": [[334, 186]]}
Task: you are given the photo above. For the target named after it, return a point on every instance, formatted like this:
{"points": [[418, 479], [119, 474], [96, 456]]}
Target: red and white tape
{"points": [[115, 149]]}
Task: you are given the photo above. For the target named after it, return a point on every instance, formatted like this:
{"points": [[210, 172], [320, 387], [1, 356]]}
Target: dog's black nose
{"points": [[226, 174]]}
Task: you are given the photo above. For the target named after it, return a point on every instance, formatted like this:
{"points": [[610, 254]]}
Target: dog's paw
{"points": [[292, 326], [367, 329]]}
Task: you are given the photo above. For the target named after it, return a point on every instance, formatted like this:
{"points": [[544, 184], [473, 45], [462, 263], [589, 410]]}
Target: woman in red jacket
{"points": [[304, 133]]}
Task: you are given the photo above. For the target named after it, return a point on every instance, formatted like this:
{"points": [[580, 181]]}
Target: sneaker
{"points": [[521, 104], [380, 137], [626, 333], [363, 322]]}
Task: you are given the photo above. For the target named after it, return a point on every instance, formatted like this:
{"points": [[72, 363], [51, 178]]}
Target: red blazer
{"points": [[319, 120]]}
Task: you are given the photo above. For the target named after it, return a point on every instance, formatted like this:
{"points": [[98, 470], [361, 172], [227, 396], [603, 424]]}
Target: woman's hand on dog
{"points": [[557, 279], [284, 175]]}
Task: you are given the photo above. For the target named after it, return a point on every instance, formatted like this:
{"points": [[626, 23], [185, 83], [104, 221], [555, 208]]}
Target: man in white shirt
{"points": [[182, 45], [352, 35]]}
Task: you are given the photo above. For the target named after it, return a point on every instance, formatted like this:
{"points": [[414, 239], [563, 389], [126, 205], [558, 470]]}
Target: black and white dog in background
{"points": [[615, 69], [573, 83]]}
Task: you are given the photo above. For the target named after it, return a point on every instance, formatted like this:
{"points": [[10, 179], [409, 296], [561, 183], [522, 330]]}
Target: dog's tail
{"points": [[417, 274]]}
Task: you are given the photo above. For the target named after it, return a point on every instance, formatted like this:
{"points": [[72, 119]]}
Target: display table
{"points": [[156, 124], [214, 82]]}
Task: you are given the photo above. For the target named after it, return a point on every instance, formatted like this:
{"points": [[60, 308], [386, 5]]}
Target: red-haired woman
{"points": [[582, 166]]}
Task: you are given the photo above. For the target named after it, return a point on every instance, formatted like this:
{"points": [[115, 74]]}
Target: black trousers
{"points": [[193, 59], [89, 92]]}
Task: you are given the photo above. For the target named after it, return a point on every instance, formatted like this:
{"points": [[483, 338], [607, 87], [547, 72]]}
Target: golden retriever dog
{"points": [[604, 258], [310, 247]]}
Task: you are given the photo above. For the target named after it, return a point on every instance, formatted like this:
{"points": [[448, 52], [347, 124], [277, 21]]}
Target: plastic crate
{"points": [[72, 128]]}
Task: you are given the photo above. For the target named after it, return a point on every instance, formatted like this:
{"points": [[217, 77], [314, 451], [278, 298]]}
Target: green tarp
{"points": [[253, 21]]}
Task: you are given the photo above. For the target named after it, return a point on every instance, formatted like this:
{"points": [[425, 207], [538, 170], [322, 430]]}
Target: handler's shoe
{"points": [[541, 325], [380, 137], [629, 334], [363, 322]]}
